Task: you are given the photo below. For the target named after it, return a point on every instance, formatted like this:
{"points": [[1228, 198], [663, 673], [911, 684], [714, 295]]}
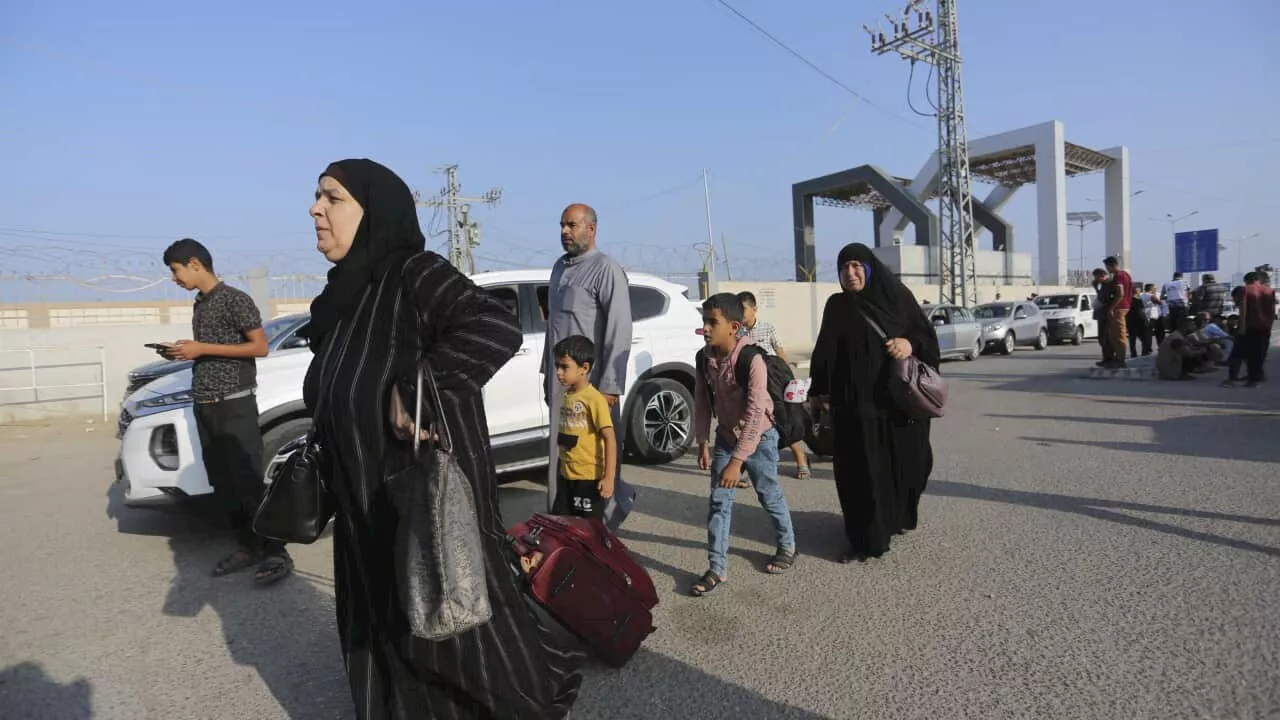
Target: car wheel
{"points": [[660, 428], [1042, 340], [1006, 347], [1079, 336], [274, 440], [974, 351]]}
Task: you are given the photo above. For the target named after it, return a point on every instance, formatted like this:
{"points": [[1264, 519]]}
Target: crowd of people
{"points": [[390, 308], [1189, 330]]}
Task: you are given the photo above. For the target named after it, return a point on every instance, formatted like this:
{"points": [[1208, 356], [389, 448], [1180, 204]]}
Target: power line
{"points": [[838, 83], [811, 64]]}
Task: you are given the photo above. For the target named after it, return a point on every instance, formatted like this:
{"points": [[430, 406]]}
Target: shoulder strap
{"points": [[700, 364], [742, 368], [874, 325]]}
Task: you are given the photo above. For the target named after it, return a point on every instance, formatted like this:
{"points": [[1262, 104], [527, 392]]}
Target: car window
{"points": [[992, 312], [509, 296], [1056, 302], [961, 315], [942, 314], [646, 302], [541, 290], [1084, 302], [275, 328]]}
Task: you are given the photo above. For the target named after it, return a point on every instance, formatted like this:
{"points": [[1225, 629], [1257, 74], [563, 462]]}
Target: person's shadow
{"points": [[285, 632], [27, 693]]}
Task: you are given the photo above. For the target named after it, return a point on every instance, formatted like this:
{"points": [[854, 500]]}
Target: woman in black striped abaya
{"points": [[388, 305]]}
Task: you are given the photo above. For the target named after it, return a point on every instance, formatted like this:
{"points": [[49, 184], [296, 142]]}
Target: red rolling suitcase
{"points": [[584, 577]]}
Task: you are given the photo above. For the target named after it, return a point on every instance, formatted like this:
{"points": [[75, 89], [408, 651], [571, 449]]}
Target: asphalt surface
{"points": [[1088, 549]]}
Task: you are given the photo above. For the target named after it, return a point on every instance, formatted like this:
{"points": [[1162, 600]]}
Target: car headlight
{"points": [[170, 400], [994, 327]]}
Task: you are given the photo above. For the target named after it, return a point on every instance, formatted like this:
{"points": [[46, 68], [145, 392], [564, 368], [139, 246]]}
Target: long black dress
{"points": [[511, 667], [883, 459]]}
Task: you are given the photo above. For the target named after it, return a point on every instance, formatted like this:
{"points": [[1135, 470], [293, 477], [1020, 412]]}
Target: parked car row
{"points": [[1003, 326], [160, 449]]}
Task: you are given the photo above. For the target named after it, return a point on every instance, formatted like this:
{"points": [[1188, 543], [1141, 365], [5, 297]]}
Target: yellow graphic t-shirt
{"points": [[583, 415]]}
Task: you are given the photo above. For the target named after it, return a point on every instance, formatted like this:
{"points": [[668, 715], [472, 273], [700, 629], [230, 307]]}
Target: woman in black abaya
{"points": [[883, 459], [389, 305]]}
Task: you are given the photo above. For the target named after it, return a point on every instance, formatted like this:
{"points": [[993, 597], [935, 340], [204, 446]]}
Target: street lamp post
{"points": [[1240, 250], [1173, 233], [1080, 220]]}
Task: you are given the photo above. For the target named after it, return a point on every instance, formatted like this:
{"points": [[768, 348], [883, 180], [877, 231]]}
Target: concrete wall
{"points": [[84, 345], [82, 356], [88, 355], [171, 312]]}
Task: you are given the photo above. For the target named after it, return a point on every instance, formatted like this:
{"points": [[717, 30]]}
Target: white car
{"points": [[1069, 316], [160, 449]]}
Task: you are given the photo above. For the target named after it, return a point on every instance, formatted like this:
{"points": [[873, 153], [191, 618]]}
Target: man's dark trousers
{"points": [[231, 447], [1256, 343]]}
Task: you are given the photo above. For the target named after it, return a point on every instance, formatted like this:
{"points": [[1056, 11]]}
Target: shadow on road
{"points": [[285, 633], [27, 693], [1203, 392], [1230, 436], [1110, 510], [656, 686]]}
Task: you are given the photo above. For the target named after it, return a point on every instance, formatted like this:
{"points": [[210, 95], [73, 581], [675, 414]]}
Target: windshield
{"points": [[275, 328], [1057, 302], [992, 312]]}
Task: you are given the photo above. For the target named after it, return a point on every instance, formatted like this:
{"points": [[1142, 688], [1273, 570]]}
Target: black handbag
{"points": [[439, 552], [297, 506]]}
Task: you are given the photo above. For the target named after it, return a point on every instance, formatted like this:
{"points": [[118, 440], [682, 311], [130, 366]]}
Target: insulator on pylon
{"points": [[882, 38], [928, 18]]}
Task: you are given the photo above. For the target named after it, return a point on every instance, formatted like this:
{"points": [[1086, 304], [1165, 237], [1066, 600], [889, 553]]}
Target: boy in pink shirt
{"points": [[745, 437]]}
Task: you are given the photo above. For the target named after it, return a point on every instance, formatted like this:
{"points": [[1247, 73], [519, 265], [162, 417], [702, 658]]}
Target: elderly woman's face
{"points": [[853, 276], [337, 216]]}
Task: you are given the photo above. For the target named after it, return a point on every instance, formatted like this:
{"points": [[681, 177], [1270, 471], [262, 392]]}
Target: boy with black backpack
{"points": [[747, 435]]}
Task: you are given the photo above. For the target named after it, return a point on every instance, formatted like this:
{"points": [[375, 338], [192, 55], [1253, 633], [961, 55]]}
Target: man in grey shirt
{"points": [[589, 296]]}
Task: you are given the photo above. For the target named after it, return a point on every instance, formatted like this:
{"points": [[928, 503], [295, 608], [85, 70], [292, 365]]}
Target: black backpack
{"points": [[791, 419]]}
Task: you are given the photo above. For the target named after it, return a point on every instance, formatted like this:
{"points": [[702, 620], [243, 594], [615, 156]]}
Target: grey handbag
{"points": [[439, 552], [918, 390]]}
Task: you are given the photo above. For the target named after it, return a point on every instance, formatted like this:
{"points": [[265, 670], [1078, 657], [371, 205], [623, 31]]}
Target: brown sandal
{"points": [[235, 562]]}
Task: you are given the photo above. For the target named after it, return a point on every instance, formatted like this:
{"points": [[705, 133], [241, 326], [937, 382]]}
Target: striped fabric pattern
{"points": [[512, 667]]}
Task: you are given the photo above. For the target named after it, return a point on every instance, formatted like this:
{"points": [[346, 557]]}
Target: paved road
{"points": [[1089, 549]]}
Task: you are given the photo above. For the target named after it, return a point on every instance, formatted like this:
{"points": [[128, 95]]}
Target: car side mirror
{"points": [[295, 342], [1020, 315]]}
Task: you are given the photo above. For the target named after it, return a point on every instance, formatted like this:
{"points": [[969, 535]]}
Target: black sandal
{"points": [[782, 561], [235, 562], [707, 583], [273, 569]]}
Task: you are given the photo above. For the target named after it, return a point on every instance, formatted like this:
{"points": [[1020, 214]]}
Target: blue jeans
{"points": [[763, 468]]}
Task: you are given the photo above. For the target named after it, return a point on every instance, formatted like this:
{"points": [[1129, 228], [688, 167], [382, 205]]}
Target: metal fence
{"points": [[56, 370]]}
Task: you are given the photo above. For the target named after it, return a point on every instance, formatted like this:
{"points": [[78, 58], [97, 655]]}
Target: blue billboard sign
{"points": [[1195, 251]]}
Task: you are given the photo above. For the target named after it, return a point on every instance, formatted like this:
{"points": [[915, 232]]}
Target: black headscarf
{"points": [[388, 235], [849, 356]]}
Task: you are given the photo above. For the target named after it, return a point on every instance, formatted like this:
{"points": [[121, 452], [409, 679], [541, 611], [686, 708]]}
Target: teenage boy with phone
{"points": [[228, 337]]}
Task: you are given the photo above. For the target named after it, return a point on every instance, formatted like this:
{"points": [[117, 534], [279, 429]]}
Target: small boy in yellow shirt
{"points": [[588, 445]]}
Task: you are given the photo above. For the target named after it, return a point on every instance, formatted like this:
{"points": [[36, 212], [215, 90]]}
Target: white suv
{"points": [[160, 450]]}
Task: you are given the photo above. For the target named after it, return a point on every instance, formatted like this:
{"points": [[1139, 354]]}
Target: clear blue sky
{"points": [[126, 126]]}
